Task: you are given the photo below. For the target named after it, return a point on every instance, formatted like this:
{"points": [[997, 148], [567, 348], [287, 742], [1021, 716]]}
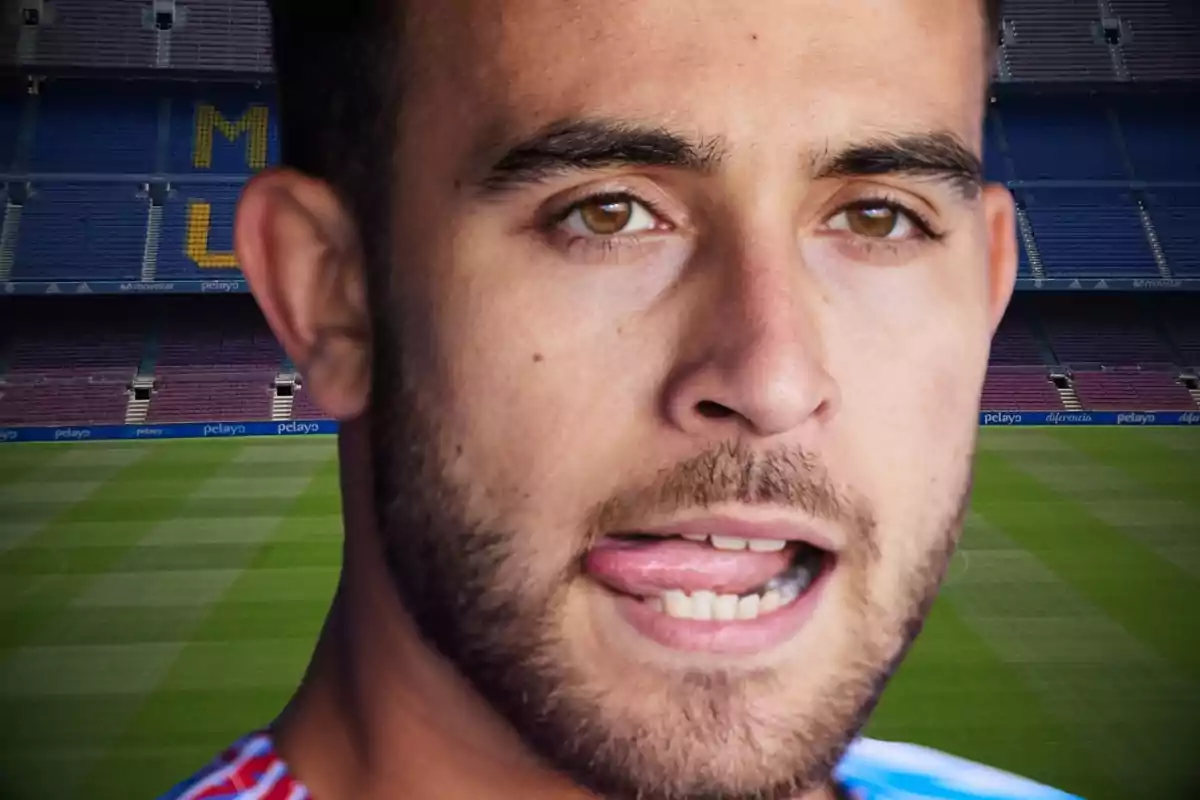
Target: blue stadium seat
{"points": [[993, 158], [1052, 139], [81, 129], [82, 232], [197, 235], [1089, 232], [1162, 135], [10, 121], [223, 132], [1176, 216]]}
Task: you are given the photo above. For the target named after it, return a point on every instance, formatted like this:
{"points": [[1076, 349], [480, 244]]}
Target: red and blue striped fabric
{"points": [[248, 770], [871, 770]]}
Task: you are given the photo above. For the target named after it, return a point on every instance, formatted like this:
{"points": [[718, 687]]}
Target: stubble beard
{"points": [[695, 735]]}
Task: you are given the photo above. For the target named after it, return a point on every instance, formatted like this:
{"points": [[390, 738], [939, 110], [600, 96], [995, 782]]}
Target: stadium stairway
{"points": [[1025, 229], [285, 397], [1190, 381], [154, 223], [285, 391], [139, 400], [1160, 258], [8, 239], [141, 391], [1066, 392]]}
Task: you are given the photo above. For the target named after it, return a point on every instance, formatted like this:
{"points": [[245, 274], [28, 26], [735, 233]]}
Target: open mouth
{"points": [[709, 577]]}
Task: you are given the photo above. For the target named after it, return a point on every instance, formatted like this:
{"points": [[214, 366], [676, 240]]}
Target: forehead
{"points": [[811, 72]]}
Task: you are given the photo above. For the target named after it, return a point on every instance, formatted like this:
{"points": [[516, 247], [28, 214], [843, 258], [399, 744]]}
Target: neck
{"points": [[379, 716]]}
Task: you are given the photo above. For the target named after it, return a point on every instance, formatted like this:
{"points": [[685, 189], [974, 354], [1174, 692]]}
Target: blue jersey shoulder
{"points": [[877, 770]]}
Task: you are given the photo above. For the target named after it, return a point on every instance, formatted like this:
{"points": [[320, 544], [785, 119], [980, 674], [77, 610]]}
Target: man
{"points": [[658, 329]]}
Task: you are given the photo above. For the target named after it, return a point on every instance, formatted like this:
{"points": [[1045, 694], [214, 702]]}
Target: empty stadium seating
{"points": [[83, 130], [1063, 40], [1055, 41], [305, 408], [139, 181], [85, 33], [1089, 232], [197, 233], [1074, 161], [82, 231], [1015, 343], [63, 400], [215, 396], [207, 353], [1160, 132], [10, 121], [1176, 216], [70, 336], [1111, 333], [1050, 138], [227, 130], [1019, 389], [1126, 388], [214, 359], [232, 33], [1161, 38], [1182, 324]]}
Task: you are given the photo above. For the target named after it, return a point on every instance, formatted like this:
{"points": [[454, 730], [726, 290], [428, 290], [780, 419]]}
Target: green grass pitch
{"points": [[159, 599]]}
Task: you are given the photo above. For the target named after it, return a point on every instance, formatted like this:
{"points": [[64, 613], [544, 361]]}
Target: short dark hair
{"points": [[338, 75]]}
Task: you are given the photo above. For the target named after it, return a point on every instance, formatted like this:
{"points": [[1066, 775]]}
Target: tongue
{"points": [[648, 569]]}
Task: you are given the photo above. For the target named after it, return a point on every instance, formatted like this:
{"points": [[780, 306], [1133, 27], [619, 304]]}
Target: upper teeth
{"points": [[736, 543]]}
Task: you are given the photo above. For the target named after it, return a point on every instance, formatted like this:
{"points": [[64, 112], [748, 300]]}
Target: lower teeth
{"points": [[780, 591]]}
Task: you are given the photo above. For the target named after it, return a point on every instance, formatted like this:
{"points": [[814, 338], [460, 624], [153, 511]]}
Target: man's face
{"points": [[667, 270]]}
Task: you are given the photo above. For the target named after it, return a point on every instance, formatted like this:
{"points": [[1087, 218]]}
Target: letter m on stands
{"points": [[252, 125]]}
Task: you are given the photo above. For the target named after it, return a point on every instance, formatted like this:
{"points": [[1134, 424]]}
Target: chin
{"points": [[768, 724]]}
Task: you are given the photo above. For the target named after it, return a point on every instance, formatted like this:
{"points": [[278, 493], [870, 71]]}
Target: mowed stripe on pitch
{"points": [[47, 672], [1157, 503], [966, 689], [38, 482], [1121, 577], [248, 649], [953, 693], [119, 635], [1129, 709]]}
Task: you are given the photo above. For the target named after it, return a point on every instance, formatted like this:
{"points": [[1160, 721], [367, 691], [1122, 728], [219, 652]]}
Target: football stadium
{"points": [[169, 515]]}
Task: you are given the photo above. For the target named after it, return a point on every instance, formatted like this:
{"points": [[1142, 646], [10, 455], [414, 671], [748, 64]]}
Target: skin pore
{"points": [[650, 259]]}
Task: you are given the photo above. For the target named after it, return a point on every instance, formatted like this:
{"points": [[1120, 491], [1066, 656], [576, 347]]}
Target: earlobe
{"points": [[300, 253]]}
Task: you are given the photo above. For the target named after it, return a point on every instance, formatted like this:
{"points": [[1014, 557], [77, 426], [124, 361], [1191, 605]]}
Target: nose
{"points": [[753, 361]]}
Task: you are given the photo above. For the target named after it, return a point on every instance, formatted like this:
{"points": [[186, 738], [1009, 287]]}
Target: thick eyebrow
{"points": [[590, 144], [935, 156]]}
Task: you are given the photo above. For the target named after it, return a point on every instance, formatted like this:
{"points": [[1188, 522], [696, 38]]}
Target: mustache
{"points": [[788, 478]]}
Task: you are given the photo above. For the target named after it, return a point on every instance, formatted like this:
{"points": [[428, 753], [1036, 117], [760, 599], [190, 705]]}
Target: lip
{"points": [[740, 527], [736, 638]]}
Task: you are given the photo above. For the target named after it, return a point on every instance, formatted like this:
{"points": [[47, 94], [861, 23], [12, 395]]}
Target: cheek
{"points": [[538, 441], [907, 424]]}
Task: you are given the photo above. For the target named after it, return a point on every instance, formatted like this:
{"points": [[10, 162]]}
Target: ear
{"points": [[299, 249], [1000, 214]]}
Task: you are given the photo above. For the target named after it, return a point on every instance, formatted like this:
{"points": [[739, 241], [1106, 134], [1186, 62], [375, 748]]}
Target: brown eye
{"points": [[874, 222], [608, 216]]}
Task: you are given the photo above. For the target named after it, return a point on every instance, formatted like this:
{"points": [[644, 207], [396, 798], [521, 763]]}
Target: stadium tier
{"points": [[134, 360], [1067, 40], [139, 183]]}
